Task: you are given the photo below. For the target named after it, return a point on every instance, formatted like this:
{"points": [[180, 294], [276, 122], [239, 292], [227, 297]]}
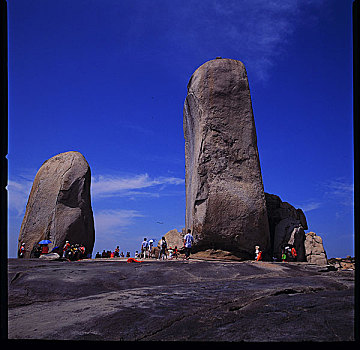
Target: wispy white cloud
{"points": [[110, 185], [309, 206], [18, 194], [338, 190], [341, 190], [254, 31], [102, 186], [112, 225], [112, 220]]}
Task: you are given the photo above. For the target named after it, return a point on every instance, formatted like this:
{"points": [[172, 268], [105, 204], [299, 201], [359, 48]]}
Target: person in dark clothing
{"points": [[163, 247]]}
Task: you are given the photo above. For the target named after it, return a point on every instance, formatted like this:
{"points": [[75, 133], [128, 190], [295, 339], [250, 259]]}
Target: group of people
{"points": [[37, 251], [73, 252], [77, 251], [148, 251], [112, 254], [69, 251], [288, 253], [147, 248]]}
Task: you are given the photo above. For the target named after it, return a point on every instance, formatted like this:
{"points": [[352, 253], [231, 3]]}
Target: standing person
{"points": [[293, 253], [81, 252], [117, 252], [21, 251], [163, 247], [258, 253], [188, 241], [65, 248], [45, 249], [283, 254], [144, 246], [151, 243]]}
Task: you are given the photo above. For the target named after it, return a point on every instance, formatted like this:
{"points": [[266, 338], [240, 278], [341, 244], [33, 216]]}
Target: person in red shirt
{"points": [[45, 249], [21, 251], [65, 248]]}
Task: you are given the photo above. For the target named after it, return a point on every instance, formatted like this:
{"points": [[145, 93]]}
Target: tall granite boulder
{"points": [[287, 225], [225, 201], [59, 205]]}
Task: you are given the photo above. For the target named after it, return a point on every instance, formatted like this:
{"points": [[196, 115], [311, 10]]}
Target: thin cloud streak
{"points": [[110, 186], [114, 219], [341, 190], [18, 194], [310, 206], [255, 30]]}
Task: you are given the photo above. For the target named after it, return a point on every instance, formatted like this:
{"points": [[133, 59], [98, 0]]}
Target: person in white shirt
{"points": [[150, 247], [188, 241], [144, 246]]}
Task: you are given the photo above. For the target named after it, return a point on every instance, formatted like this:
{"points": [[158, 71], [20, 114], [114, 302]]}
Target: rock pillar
{"points": [[225, 201]]}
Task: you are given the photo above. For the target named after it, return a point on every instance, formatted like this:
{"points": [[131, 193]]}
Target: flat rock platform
{"points": [[194, 300]]}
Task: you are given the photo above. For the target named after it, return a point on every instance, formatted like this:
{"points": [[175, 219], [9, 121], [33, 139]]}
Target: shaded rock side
{"points": [[225, 201], [314, 249], [289, 232], [59, 204], [286, 225]]}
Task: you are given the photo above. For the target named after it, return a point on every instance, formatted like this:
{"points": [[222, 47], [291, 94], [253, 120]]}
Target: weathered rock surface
{"points": [[225, 201], [347, 263], [50, 256], [59, 205], [176, 300], [314, 248]]}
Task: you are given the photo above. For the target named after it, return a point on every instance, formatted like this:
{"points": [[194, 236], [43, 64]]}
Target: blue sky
{"points": [[108, 78]]}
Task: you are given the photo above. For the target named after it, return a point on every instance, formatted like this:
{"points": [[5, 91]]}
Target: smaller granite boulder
{"points": [[174, 238], [314, 249], [50, 256], [59, 205]]}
